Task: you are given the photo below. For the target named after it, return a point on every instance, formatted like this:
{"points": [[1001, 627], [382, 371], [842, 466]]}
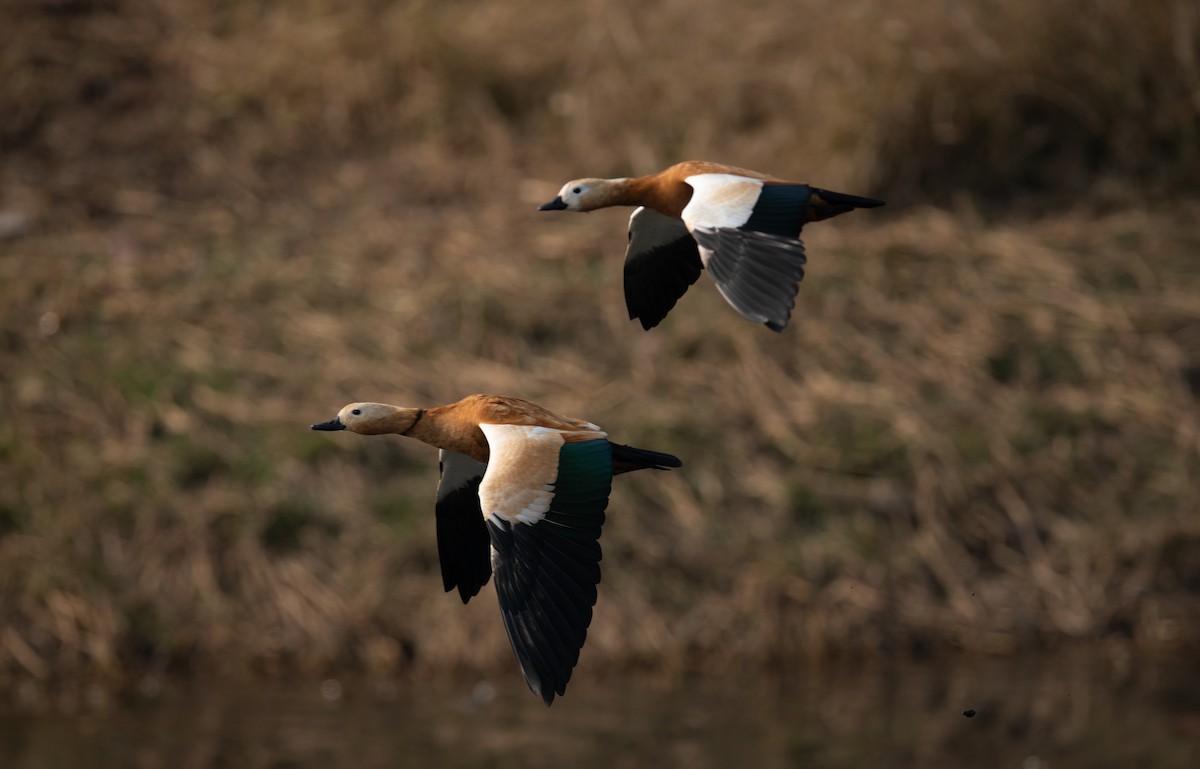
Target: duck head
{"points": [[372, 419], [582, 195]]}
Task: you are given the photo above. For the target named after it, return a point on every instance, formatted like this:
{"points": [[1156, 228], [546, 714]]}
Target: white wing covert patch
{"points": [[649, 230], [720, 200], [457, 471], [519, 483]]}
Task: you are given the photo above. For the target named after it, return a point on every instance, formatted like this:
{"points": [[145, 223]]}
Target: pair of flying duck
{"points": [[523, 491]]}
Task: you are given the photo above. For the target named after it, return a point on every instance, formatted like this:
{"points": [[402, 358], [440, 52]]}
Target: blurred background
{"points": [[979, 438]]}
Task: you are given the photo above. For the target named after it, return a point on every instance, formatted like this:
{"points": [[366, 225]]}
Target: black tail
{"points": [[626, 459], [825, 204]]}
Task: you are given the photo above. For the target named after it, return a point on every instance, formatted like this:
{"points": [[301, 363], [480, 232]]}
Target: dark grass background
{"points": [[221, 221]]}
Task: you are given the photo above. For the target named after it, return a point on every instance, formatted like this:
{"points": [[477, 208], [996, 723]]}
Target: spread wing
{"points": [[463, 542], [758, 273], [748, 236], [661, 263], [544, 501]]}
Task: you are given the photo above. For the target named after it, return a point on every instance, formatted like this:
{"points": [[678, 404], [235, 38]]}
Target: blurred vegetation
{"points": [[221, 221]]}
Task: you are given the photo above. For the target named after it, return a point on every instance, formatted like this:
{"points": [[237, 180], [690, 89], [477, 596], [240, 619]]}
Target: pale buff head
{"points": [[584, 195], [372, 419]]}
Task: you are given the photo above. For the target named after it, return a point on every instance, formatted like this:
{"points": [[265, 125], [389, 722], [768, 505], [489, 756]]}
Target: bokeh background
{"points": [[221, 221]]}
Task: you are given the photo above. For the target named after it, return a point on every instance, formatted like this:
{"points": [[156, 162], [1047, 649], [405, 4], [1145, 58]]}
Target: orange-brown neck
{"points": [[452, 429], [661, 192]]}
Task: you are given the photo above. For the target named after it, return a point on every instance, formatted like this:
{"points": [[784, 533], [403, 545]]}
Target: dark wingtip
{"points": [[627, 459], [554, 205], [647, 324], [539, 688], [333, 424], [451, 586], [841, 202]]}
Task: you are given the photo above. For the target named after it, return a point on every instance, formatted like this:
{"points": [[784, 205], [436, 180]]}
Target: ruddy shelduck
{"points": [[522, 494], [743, 226]]}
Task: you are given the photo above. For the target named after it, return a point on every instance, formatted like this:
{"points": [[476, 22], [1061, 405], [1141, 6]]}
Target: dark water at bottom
{"points": [[1054, 712]]}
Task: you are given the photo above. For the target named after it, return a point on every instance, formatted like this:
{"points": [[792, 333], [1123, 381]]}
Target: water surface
{"points": [[1058, 712]]}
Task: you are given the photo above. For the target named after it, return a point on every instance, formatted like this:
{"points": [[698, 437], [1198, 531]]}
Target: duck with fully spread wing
{"points": [[522, 495], [742, 226]]}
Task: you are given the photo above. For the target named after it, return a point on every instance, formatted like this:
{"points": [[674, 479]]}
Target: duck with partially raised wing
{"points": [[743, 226], [522, 494]]}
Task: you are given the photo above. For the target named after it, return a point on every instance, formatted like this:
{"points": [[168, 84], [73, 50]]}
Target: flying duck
{"points": [[522, 494], [743, 226]]}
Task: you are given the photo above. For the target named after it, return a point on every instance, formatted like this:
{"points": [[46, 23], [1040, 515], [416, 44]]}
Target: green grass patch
{"points": [[289, 522], [808, 508], [401, 511], [12, 519], [193, 465]]}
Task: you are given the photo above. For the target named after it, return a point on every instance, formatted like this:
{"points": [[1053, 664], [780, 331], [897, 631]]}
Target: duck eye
{"points": [[577, 190], [357, 412]]}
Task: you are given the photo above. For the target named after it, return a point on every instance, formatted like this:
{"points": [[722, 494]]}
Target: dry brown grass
{"points": [[979, 431]]}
